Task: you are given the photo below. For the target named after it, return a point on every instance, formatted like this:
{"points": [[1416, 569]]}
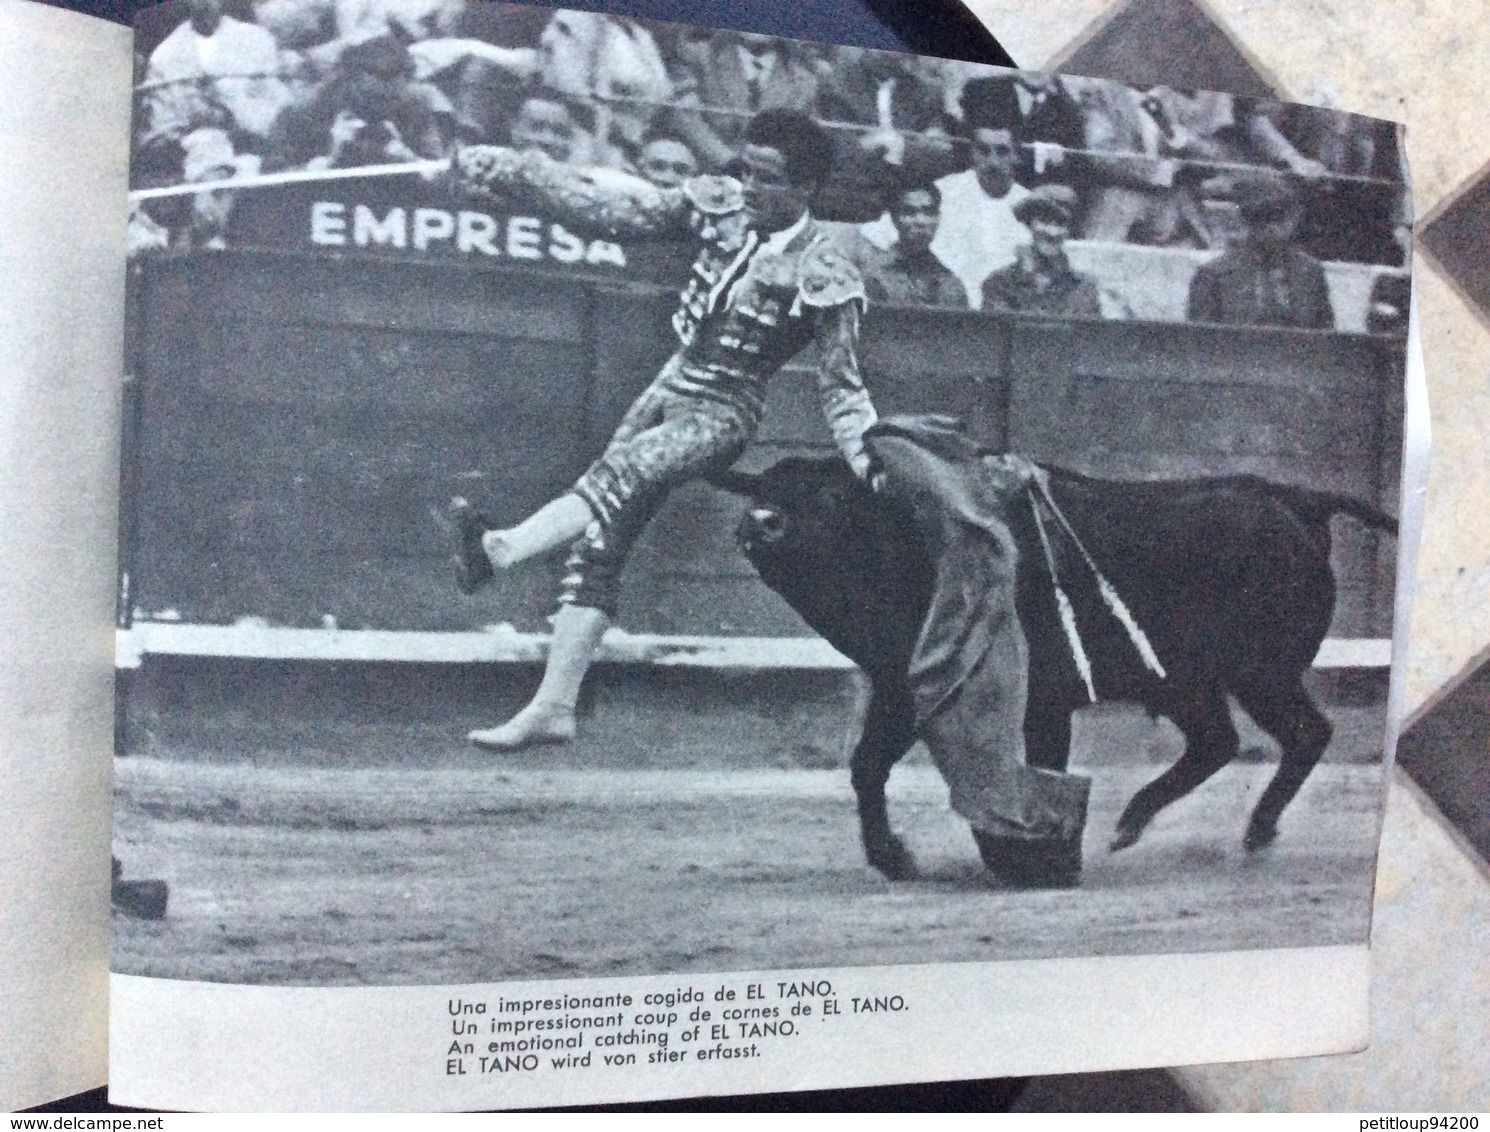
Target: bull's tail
{"points": [[1318, 507]]}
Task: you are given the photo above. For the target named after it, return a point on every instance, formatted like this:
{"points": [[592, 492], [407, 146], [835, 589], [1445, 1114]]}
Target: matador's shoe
{"points": [[473, 569]]}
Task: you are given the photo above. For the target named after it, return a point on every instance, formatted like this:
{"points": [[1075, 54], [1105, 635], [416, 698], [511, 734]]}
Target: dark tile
{"points": [[1175, 42], [1447, 752], [1458, 237]]}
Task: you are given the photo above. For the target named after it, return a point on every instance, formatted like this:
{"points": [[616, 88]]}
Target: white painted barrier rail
{"points": [[502, 644]]}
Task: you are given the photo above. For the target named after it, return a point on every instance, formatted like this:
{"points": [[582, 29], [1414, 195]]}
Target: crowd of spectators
{"points": [[958, 185]]}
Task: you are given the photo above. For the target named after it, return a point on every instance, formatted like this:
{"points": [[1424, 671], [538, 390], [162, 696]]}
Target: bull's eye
{"points": [[769, 522]]}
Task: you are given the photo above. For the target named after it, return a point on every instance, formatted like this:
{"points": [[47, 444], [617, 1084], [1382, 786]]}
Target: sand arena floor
{"points": [[325, 876]]}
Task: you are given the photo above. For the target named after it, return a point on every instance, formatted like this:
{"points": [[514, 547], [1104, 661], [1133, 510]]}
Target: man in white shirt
{"points": [[216, 72], [979, 233]]}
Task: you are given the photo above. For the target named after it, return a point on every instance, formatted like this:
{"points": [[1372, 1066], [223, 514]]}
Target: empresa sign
{"points": [[464, 232], [395, 219]]}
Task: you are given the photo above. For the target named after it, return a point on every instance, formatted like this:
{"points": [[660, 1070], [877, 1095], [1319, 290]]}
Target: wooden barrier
{"points": [[298, 416]]}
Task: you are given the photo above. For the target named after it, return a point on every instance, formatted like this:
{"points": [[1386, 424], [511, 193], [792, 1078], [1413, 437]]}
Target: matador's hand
{"points": [[1011, 471], [869, 472], [481, 169]]}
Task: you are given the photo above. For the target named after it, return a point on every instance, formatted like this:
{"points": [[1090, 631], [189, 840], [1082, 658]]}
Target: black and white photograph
{"points": [[611, 498]]}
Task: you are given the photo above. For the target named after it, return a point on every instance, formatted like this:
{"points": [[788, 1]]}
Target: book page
{"points": [[391, 406], [64, 138]]}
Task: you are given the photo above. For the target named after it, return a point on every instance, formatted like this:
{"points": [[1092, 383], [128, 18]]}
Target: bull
{"points": [[1229, 577]]}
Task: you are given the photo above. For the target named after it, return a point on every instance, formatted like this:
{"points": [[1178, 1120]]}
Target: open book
{"points": [[1000, 677]]}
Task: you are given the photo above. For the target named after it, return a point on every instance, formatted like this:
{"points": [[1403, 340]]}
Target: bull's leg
{"points": [[1286, 713], [1210, 743], [889, 728]]}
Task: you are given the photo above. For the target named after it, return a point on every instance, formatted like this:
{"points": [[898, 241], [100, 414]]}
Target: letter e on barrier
{"points": [[328, 223]]}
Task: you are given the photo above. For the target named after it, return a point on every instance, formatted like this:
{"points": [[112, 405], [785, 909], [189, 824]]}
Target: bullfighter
{"points": [[766, 281]]}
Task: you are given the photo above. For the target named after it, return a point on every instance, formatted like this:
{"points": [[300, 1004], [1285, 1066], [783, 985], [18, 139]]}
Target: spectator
{"points": [[1043, 116], [1306, 143], [1267, 126], [209, 156], [213, 72], [613, 64], [1390, 300], [1132, 196], [547, 124], [892, 92], [370, 111], [486, 66], [434, 57], [979, 233], [297, 25], [504, 25], [312, 34], [909, 271], [666, 160], [410, 20], [902, 100], [199, 220], [143, 234], [586, 55], [1198, 126], [1344, 219], [1050, 123], [1041, 280], [1195, 129], [902, 97], [729, 77], [1261, 279], [485, 82]]}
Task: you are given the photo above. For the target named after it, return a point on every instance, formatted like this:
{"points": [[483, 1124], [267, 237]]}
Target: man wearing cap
{"points": [[1041, 279], [978, 232], [1261, 279], [766, 281]]}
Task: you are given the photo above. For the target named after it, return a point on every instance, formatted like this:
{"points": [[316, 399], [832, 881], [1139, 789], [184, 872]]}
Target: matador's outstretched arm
{"points": [[829, 281], [600, 202], [846, 403]]}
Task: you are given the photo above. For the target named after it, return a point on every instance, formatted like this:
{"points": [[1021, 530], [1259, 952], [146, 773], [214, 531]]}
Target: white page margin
{"points": [[64, 139]]}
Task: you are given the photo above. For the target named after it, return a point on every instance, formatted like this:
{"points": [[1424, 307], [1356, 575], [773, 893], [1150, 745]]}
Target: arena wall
{"points": [[294, 417]]}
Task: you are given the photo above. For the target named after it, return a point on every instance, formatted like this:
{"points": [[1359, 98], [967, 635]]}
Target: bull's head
{"points": [[801, 510], [849, 562]]}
